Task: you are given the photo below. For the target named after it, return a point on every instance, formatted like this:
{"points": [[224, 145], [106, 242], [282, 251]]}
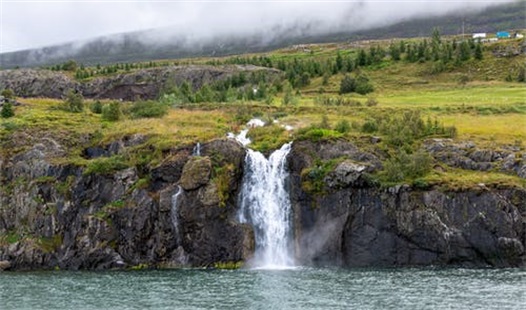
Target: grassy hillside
{"points": [[477, 100]]}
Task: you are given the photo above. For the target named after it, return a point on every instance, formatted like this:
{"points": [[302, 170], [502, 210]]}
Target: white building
{"points": [[480, 35]]}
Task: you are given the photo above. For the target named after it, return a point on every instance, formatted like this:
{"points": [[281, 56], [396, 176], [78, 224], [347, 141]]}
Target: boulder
{"points": [[4, 264], [344, 175], [196, 173]]}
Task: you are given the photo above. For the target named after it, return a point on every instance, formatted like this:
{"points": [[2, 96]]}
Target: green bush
{"points": [[317, 134], [347, 85], [313, 178], [363, 86], [96, 107], [343, 126], [360, 85], [8, 94], [407, 166], [370, 126], [267, 138], [112, 112], [70, 65], [7, 110], [148, 109], [74, 101], [371, 102]]}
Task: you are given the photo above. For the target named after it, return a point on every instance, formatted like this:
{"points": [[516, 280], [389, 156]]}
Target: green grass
{"points": [[486, 110]]}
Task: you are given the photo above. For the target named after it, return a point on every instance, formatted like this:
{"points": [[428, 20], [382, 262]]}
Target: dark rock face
{"points": [[355, 225], [57, 216], [142, 84]]}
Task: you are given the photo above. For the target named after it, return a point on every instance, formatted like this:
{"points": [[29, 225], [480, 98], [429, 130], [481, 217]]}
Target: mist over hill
{"points": [[165, 44]]}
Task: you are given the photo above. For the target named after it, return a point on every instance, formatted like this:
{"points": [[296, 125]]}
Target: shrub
{"points": [[324, 123], [112, 111], [370, 126], [7, 110], [8, 93], [96, 107], [10, 126], [267, 138], [70, 65], [362, 85], [313, 178], [148, 109], [222, 177], [343, 126], [74, 101], [403, 166], [371, 102], [317, 134], [347, 85], [521, 76]]}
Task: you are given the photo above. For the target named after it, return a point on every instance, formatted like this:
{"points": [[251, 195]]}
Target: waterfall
{"points": [[197, 150], [265, 203], [174, 215]]}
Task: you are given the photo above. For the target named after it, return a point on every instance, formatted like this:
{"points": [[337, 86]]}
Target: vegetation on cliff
{"points": [[396, 93]]}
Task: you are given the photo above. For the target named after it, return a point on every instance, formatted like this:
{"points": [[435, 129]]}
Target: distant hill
{"points": [[129, 47]]}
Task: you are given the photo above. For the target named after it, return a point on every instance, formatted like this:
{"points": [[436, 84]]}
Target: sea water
{"points": [[300, 288]]}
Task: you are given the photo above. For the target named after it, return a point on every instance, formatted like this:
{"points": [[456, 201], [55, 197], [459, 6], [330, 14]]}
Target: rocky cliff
{"points": [[142, 84], [62, 216], [357, 224], [55, 216]]}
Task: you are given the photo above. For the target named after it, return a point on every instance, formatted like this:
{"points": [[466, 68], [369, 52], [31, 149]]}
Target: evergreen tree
{"points": [[478, 51], [339, 62], [464, 51], [436, 43], [349, 65], [402, 46], [362, 58], [394, 51]]}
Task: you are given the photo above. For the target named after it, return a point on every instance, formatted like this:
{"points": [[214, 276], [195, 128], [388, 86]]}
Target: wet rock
{"points": [[4, 265]]}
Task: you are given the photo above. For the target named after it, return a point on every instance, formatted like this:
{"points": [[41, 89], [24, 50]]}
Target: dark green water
{"points": [[302, 288]]}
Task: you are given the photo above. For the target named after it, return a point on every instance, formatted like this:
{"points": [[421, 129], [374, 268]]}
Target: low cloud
{"points": [[39, 23]]}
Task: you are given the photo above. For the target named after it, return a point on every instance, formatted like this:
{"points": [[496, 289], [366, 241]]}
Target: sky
{"points": [[28, 24]]}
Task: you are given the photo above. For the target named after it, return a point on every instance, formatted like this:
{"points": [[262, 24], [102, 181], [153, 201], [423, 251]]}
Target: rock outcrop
{"points": [[55, 216], [60, 216], [141, 84], [355, 224], [466, 155]]}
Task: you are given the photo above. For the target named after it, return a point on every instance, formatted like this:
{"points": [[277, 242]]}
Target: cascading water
{"points": [[174, 214], [265, 204], [197, 150]]}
